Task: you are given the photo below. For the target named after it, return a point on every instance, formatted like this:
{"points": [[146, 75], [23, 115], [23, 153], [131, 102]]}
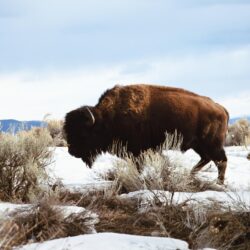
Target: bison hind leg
{"points": [[214, 152], [221, 165], [199, 166]]}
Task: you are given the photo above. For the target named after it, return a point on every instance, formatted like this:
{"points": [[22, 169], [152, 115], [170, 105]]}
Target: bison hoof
{"points": [[220, 182], [193, 172]]}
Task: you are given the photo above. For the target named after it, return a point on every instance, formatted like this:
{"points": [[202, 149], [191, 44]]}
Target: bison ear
{"points": [[88, 116]]}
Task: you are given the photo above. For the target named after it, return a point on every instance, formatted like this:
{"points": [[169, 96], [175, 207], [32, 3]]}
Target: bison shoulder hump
{"points": [[126, 100]]}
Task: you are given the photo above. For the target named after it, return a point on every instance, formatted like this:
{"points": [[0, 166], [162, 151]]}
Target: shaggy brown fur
{"points": [[139, 115]]}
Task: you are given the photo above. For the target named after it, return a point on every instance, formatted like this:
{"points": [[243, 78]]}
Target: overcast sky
{"points": [[56, 55]]}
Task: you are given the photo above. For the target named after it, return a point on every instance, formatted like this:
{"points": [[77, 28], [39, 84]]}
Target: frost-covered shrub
{"points": [[238, 133], [23, 158]]}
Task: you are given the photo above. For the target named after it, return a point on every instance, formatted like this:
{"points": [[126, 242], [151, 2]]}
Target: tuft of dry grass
{"points": [[154, 171], [42, 222], [151, 170]]}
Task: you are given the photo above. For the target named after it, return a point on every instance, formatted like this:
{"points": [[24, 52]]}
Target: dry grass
{"points": [[23, 158], [156, 172], [223, 230], [42, 222], [202, 226], [150, 170]]}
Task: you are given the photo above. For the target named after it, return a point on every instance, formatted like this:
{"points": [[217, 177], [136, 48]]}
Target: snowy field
{"points": [[75, 175]]}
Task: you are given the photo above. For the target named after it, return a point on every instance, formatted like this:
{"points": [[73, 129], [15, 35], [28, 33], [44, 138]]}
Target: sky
{"points": [[57, 55]]}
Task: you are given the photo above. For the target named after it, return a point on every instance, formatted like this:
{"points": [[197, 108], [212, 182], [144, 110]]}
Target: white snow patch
{"points": [[74, 173], [6, 209], [109, 241], [234, 200]]}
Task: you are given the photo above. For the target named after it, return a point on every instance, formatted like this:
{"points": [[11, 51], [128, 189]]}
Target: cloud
{"points": [[216, 73], [222, 75], [31, 95]]}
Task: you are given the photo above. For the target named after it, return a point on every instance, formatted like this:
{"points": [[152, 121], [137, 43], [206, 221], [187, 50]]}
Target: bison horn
{"points": [[91, 117]]}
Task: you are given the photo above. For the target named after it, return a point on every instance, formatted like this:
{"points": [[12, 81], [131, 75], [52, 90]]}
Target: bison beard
{"points": [[138, 116]]}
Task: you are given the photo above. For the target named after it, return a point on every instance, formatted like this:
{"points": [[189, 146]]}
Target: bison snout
{"points": [[74, 152]]}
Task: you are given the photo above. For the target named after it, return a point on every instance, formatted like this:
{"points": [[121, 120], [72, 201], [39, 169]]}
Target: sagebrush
{"points": [[238, 133], [55, 128], [23, 159]]}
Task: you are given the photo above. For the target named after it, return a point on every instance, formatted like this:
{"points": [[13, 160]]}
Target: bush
{"points": [[238, 133], [23, 158], [55, 128]]}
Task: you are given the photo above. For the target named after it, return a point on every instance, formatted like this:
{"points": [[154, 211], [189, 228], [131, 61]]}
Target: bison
{"points": [[138, 116]]}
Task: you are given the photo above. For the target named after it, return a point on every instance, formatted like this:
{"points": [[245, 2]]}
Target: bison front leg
{"points": [[221, 165], [199, 166]]}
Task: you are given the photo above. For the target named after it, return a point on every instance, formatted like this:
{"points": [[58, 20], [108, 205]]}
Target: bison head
{"points": [[81, 132]]}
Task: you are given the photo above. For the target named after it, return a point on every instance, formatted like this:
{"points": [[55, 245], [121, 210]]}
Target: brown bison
{"points": [[138, 116]]}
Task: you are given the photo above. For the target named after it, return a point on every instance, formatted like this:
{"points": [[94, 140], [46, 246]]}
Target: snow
{"points": [[234, 200], [74, 174], [110, 241], [70, 170], [6, 209]]}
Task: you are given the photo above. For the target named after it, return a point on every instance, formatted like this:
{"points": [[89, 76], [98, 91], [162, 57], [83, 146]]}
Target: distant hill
{"points": [[233, 120], [14, 126]]}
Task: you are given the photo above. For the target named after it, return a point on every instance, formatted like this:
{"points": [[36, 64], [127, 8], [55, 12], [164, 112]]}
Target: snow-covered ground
{"points": [[75, 175]]}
